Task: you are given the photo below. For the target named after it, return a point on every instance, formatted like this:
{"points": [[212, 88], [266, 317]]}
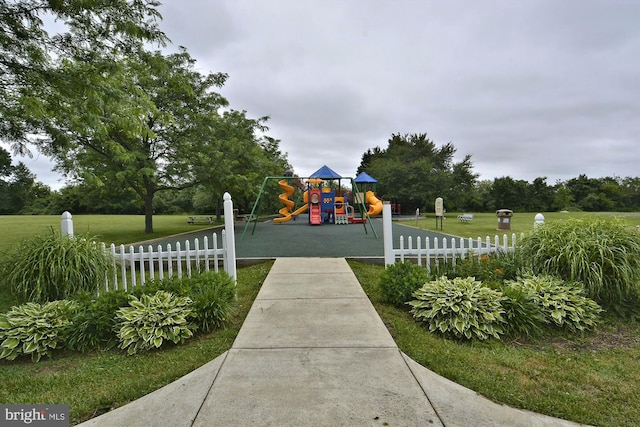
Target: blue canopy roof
{"points": [[325, 172], [365, 178]]}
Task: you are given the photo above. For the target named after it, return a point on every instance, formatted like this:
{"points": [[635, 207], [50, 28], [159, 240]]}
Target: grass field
{"points": [[486, 224], [116, 229]]}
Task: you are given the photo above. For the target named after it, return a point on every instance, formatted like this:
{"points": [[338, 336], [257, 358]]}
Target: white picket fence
{"points": [[133, 267], [428, 252]]}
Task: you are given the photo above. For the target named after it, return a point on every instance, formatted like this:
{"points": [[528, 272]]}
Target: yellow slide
{"points": [[375, 204], [285, 212]]}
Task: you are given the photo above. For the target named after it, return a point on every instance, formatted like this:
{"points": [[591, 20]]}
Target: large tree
{"points": [[161, 128], [413, 171], [84, 30]]}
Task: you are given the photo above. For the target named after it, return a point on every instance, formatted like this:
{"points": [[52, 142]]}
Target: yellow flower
{"points": [[499, 271]]}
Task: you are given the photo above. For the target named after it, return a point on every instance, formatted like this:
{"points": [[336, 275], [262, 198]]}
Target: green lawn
{"points": [[486, 224], [116, 229]]}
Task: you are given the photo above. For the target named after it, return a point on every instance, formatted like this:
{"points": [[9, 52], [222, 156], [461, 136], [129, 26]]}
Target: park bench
{"points": [[199, 219], [465, 217], [246, 217]]}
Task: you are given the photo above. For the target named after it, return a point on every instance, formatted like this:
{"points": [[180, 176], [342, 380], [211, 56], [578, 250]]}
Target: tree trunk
{"points": [[148, 213], [218, 209]]}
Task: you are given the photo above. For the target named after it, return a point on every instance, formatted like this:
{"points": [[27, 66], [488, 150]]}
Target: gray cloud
{"points": [[529, 88]]}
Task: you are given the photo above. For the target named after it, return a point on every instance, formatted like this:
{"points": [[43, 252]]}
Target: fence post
{"points": [[230, 256], [67, 224], [387, 232]]}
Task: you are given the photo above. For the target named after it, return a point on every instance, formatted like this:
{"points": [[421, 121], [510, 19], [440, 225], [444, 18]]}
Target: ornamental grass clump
{"points": [[522, 313], [213, 295], [459, 307], [53, 267], [602, 254]]}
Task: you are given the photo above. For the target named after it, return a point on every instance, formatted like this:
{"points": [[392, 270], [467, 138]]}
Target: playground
{"points": [[324, 198], [298, 239], [338, 224], [330, 221]]}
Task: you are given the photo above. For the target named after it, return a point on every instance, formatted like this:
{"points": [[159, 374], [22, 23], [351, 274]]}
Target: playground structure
{"points": [[325, 202]]}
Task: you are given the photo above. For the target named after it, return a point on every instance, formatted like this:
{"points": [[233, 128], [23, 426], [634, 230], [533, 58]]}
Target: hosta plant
{"points": [[151, 320], [213, 295], [35, 329], [561, 303], [398, 281], [459, 307]]}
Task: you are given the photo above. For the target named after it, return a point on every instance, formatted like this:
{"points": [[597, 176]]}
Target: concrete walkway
{"points": [[314, 352]]}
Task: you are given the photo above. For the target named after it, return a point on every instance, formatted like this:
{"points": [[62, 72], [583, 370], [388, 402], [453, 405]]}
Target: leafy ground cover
{"points": [[96, 382], [591, 378]]}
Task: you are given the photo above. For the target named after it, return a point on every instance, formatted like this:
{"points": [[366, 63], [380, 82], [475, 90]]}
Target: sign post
{"points": [[439, 212]]}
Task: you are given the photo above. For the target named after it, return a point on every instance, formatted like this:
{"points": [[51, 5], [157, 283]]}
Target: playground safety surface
{"points": [[299, 239], [268, 240]]}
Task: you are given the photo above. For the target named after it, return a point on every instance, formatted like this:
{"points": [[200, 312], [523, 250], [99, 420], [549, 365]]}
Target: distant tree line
{"points": [[412, 171]]}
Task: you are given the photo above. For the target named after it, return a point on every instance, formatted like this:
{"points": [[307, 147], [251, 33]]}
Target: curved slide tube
{"points": [[375, 204], [285, 212]]}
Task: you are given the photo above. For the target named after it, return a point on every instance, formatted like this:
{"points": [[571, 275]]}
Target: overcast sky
{"points": [[528, 88]]}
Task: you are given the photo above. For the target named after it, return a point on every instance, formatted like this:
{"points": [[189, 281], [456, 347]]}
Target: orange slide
{"points": [[375, 204], [285, 212]]}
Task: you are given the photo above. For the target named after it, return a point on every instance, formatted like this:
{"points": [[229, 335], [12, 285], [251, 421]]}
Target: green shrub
{"points": [[398, 282], [522, 313], [459, 307], [94, 321], [35, 329], [172, 285], [53, 267], [562, 304], [152, 320], [495, 267], [213, 296], [602, 254]]}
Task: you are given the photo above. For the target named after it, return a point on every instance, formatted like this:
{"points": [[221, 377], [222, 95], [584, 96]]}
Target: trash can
{"points": [[504, 219]]}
